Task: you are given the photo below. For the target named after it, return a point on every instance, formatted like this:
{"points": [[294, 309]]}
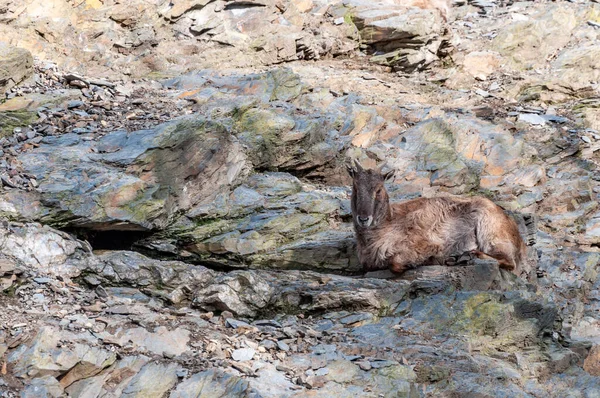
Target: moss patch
{"points": [[10, 120]]}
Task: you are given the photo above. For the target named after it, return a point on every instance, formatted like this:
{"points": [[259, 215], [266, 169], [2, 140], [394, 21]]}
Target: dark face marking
{"points": [[370, 201]]}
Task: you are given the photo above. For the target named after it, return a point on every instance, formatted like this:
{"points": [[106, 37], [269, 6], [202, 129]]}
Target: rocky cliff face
{"points": [[175, 210]]}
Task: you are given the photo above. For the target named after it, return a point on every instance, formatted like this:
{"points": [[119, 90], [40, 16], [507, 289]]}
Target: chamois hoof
{"points": [[463, 259]]}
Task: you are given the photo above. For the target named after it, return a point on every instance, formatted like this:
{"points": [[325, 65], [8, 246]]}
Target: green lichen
{"points": [[146, 210], [205, 229], [491, 325], [591, 267], [431, 373], [482, 314], [531, 93], [288, 85], [11, 120]]}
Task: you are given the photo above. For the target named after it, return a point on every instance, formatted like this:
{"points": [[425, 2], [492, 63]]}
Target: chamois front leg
{"points": [[399, 263], [503, 253]]}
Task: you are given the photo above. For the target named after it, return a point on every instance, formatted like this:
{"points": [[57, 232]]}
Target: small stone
{"points": [[283, 368], [226, 315], [532, 118], [243, 354], [283, 346], [586, 139], [42, 281], [355, 318], [74, 104], [321, 372], [555, 119], [78, 83], [494, 87], [247, 370], [338, 21], [267, 322], [268, 344], [182, 373], [364, 365], [482, 93], [39, 298], [384, 363], [234, 323]]}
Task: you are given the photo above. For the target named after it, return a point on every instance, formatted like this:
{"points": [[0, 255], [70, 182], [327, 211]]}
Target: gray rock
{"points": [[213, 383], [271, 383], [267, 322], [161, 341], [283, 346], [44, 356], [243, 354], [74, 104], [409, 36], [124, 369], [348, 320], [40, 247], [241, 292], [153, 380], [532, 118], [43, 387], [134, 269], [268, 344], [234, 323], [247, 293], [16, 64], [135, 204]]}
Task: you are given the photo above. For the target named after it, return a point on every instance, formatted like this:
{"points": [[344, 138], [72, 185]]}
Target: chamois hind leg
{"points": [[497, 236], [504, 254]]}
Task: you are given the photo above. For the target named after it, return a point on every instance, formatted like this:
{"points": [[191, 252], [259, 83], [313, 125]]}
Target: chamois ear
{"points": [[389, 176]]}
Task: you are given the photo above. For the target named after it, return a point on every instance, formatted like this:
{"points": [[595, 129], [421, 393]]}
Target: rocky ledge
{"points": [[119, 323]]}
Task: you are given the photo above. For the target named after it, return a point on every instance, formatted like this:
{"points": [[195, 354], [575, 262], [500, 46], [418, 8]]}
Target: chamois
{"points": [[428, 231]]}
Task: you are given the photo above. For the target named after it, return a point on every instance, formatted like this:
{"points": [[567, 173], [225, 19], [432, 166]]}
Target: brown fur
{"points": [[428, 231]]}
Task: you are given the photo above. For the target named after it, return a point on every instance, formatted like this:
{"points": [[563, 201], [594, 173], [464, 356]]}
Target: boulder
{"points": [[153, 381], [527, 44], [213, 383], [405, 38], [127, 181], [16, 65]]}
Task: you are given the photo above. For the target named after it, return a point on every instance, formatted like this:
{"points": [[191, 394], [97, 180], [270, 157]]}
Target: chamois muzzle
{"points": [[364, 221]]}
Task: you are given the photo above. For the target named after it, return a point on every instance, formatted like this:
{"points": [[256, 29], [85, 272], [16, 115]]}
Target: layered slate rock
{"points": [[527, 43], [405, 38], [134, 181], [16, 64]]}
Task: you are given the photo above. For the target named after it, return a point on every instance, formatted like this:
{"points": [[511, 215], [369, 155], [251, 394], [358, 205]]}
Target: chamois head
{"points": [[370, 201]]}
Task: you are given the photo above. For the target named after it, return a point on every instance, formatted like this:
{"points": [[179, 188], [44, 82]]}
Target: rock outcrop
{"points": [[16, 64]]}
